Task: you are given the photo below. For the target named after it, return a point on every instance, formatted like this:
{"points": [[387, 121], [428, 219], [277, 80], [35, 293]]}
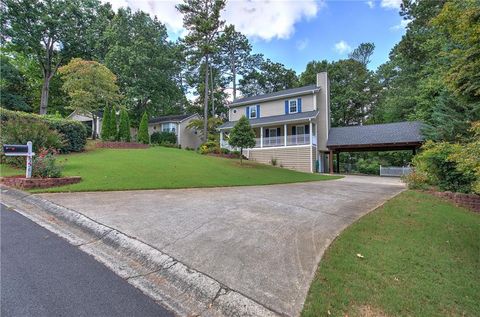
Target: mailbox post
{"points": [[21, 150]]}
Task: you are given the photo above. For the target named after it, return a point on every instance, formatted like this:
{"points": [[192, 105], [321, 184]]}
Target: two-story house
{"points": [[291, 126], [292, 129]]}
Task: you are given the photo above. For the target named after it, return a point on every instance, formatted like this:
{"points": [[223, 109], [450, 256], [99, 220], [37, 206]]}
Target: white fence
{"points": [[395, 171]]}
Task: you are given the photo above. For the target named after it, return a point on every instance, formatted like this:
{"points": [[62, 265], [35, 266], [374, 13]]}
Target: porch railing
{"points": [[298, 139]]}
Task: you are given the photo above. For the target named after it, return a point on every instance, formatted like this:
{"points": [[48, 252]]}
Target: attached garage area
{"points": [[376, 137]]}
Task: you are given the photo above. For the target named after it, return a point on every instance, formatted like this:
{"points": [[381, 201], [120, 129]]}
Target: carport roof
{"points": [[394, 134]]}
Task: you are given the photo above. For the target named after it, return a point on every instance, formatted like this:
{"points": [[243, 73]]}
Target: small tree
{"points": [[124, 127], [106, 133], [90, 85], [242, 136], [113, 124], [143, 130]]}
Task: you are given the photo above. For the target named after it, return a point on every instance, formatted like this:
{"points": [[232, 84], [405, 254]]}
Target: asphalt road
{"points": [[43, 275]]}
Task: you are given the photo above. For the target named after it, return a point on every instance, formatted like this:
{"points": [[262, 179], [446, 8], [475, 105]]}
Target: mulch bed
{"points": [[469, 201], [121, 145], [29, 183]]}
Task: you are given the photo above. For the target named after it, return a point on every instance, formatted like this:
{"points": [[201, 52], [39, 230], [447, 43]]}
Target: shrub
{"points": [[21, 130], [273, 161], [106, 134], [416, 180], [124, 127], [143, 136], [73, 132], [44, 165], [225, 151], [437, 162], [209, 147], [163, 138]]}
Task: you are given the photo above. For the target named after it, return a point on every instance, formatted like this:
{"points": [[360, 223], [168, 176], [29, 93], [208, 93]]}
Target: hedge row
{"points": [[74, 132]]}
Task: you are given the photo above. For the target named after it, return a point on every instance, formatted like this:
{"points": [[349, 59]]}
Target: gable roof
{"points": [[274, 119], [172, 118], [275, 95], [376, 134]]}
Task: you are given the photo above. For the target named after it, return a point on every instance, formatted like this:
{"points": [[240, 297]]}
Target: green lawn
{"points": [[6, 170], [421, 258], [160, 167]]}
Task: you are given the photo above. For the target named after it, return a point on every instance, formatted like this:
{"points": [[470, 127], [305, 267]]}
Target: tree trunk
{"points": [[234, 73], [205, 110], [45, 91], [241, 156], [94, 130], [213, 92]]}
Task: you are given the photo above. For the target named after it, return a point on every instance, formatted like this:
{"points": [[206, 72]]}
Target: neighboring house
{"points": [[293, 127], [87, 119], [186, 138]]}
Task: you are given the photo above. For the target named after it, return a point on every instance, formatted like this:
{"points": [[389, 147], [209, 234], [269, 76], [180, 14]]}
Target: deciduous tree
{"points": [[90, 85], [52, 31]]}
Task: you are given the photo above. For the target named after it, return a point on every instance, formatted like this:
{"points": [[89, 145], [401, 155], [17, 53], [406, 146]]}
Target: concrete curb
{"points": [[174, 285]]}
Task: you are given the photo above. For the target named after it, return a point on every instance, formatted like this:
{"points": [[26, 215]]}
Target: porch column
{"points": [[311, 135], [221, 138], [261, 136], [285, 135], [330, 161]]}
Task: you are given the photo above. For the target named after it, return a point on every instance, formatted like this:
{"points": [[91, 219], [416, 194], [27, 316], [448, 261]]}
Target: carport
{"points": [[376, 137]]}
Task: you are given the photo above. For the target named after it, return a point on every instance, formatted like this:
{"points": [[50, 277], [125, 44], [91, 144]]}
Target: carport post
{"points": [[330, 161], [338, 162]]}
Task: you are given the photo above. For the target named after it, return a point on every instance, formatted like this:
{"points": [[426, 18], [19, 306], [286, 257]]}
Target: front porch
{"points": [[271, 136]]}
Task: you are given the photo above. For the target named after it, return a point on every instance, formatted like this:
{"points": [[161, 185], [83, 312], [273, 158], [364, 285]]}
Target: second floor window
{"points": [[292, 106], [252, 112]]}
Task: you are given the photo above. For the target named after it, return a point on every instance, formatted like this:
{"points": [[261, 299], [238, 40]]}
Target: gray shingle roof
{"points": [[389, 133], [279, 94], [172, 118], [274, 119]]}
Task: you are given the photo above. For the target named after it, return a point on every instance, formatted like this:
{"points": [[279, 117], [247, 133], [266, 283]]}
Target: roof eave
{"points": [[242, 103], [275, 122]]}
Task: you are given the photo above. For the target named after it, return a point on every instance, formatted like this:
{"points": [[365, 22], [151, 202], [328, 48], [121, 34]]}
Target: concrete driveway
{"points": [[262, 241]]}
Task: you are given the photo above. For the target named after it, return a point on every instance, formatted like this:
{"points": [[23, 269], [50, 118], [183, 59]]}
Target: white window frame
{"points": [[169, 127], [254, 111], [290, 106]]}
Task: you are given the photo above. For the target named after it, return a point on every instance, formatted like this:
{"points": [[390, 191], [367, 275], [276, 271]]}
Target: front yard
{"points": [[160, 167], [421, 257]]}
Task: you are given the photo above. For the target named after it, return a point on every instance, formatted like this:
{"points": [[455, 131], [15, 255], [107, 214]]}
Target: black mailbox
{"points": [[15, 149]]}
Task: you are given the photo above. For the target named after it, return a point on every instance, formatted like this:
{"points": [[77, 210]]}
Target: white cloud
{"points": [[302, 44], [371, 4], [391, 4], [264, 19], [342, 47], [269, 19], [400, 26]]}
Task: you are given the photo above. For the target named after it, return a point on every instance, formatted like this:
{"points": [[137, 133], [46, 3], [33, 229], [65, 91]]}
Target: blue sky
{"points": [[346, 22], [295, 32]]}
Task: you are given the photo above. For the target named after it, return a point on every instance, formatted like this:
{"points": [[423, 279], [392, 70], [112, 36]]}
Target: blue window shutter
{"points": [[258, 111], [247, 112], [267, 133], [294, 130], [286, 106], [279, 132], [299, 105], [307, 129]]}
